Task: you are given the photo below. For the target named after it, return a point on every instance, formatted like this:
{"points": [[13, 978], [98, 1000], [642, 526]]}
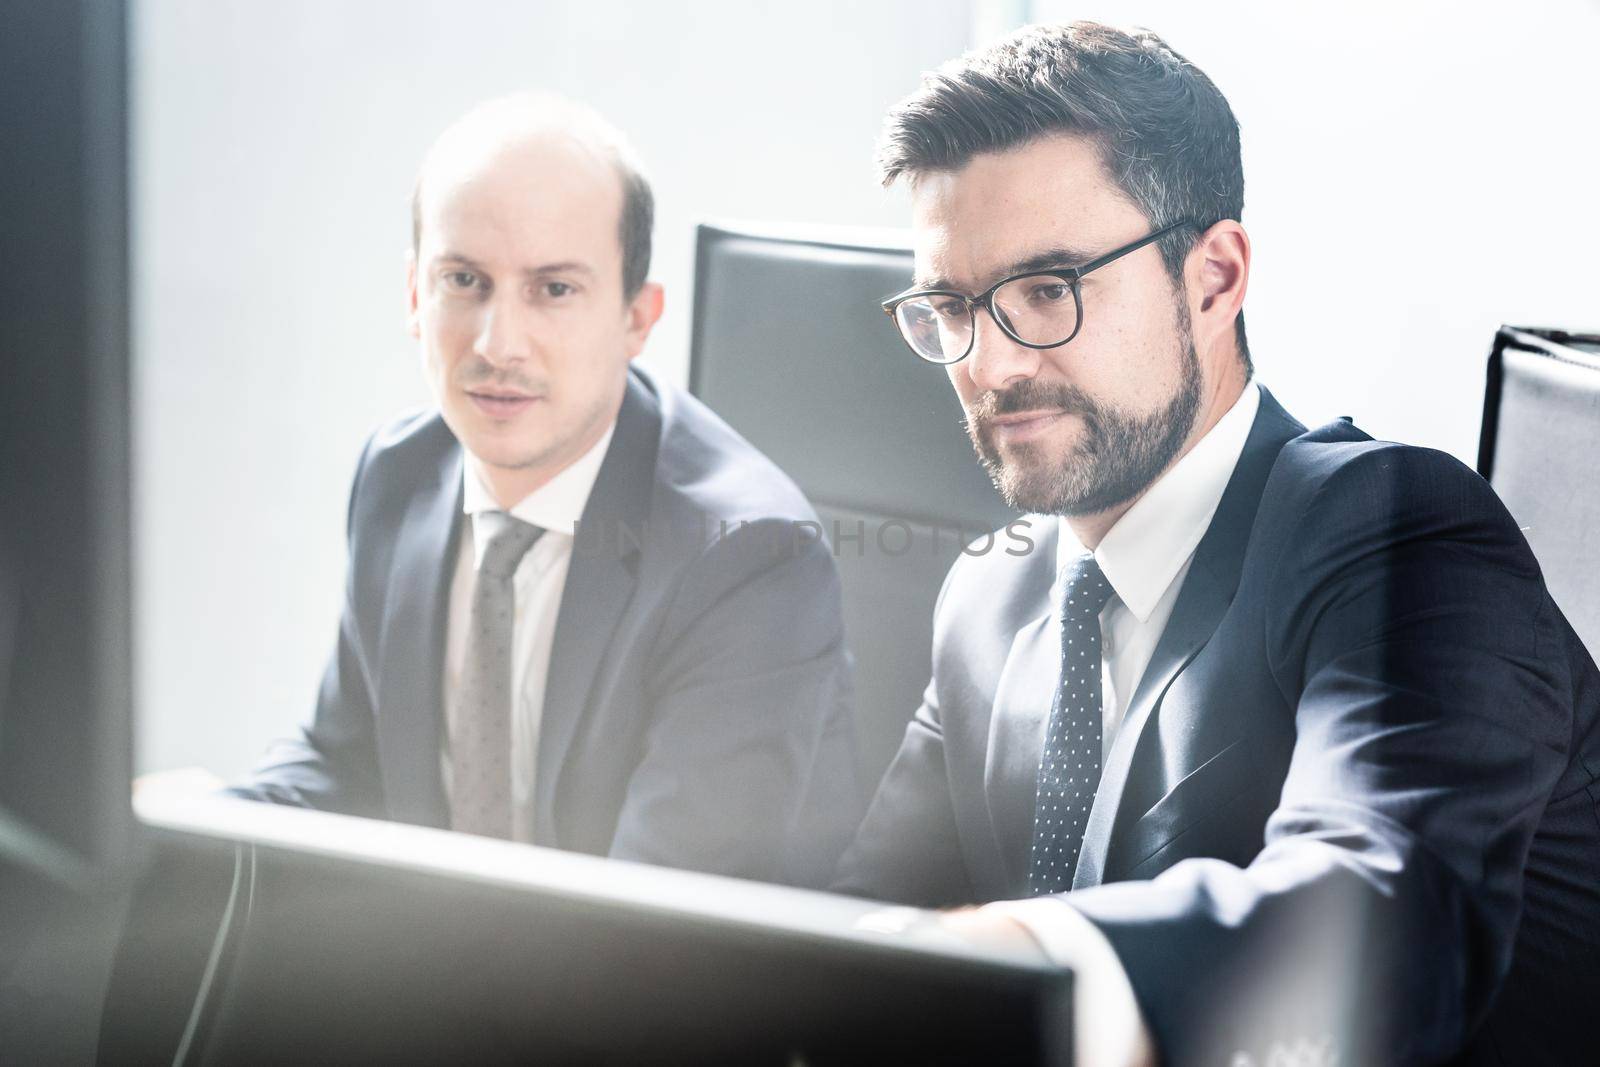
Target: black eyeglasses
{"points": [[1038, 309]]}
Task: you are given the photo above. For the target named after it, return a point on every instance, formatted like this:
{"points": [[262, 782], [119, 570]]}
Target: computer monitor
{"points": [[64, 439], [276, 935], [65, 735]]}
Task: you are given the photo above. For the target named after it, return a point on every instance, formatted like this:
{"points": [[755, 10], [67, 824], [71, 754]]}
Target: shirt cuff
{"points": [[1108, 1027]]}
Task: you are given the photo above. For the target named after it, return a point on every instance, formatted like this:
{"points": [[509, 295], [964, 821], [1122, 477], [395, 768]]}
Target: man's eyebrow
{"points": [[1058, 256], [456, 259], [568, 266]]}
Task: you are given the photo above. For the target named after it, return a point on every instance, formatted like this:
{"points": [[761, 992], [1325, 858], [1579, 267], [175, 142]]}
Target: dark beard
{"points": [[1117, 458]]}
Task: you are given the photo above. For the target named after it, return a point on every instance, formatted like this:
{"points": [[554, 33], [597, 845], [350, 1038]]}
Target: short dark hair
{"points": [[637, 219], [1166, 134]]}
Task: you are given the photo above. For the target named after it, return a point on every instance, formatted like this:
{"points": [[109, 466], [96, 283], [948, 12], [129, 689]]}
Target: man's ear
{"points": [[1221, 259], [644, 310], [413, 323]]}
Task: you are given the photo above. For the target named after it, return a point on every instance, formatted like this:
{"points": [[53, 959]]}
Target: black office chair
{"points": [[1540, 449], [792, 349]]}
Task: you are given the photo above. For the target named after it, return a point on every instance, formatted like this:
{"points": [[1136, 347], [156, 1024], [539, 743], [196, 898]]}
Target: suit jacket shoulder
{"points": [[705, 468], [1343, 509], [411, 451]]}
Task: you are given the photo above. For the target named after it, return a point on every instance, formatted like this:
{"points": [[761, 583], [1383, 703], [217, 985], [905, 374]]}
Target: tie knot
{"points": [[508, 541], [1087, 588]]}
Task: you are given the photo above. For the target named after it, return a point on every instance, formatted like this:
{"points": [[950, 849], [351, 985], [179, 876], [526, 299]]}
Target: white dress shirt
{"points": [[1145, 557], [540, 577]]}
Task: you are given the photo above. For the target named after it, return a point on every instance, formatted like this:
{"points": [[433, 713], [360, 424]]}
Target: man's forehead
{"points": [[1048, 199], [544, 167], [947, 255], [546, 194], [938, 267]]}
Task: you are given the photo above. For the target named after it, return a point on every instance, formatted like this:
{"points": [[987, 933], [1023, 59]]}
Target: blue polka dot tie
{"points": [[480, 735], [1069, 770]]}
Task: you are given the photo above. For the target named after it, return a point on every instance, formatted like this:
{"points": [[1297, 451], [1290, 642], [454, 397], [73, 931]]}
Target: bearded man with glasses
{"points": [[1276, 738]]}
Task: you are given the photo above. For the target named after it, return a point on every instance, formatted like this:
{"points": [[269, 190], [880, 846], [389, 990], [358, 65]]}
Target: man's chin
{"points": [[1039, 488], [1024, 488], [497, 448], [512, 461]]}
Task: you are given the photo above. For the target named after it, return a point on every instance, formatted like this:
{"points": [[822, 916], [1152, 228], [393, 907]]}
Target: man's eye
{"points": [[949, 307], [558, 289], [461, 279], [1049, 293]]}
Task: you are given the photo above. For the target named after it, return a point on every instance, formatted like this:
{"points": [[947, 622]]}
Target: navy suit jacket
{"points": [[1353, 806], [697, 708]]}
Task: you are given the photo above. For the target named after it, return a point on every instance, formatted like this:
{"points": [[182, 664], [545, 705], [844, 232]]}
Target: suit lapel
{"points": [[411, 667], [600, 582], [1207, 592], [1194, 618]]}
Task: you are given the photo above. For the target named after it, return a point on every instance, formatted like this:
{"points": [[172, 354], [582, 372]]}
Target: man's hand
{"points": [[992, 929], [1111, 1030], [988, 929]]}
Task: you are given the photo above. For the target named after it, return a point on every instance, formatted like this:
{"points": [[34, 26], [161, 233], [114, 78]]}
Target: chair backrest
{"points": [[1540, 449], [792, 349]]}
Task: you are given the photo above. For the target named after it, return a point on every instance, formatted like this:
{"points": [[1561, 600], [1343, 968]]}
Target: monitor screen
{"points": [[64, 553], [65, 677]]}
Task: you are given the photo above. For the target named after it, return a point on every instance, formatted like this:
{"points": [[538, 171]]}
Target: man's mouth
{"points": [[1018, 426], [501, 403]]}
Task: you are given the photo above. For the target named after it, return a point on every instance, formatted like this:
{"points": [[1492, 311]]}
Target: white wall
{"points": [[275, 144], [1416, 174]]}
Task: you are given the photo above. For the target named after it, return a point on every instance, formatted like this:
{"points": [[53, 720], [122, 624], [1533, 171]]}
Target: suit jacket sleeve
{"points": [[908, 849], [333, 763], [1412, 634], [747, 767]]}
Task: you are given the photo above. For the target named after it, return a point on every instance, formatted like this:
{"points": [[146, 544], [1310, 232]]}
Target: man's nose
{"points": [[503, 334], [996, 360]]}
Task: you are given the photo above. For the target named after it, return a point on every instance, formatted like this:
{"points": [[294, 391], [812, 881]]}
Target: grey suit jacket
{"points": [[697, 709], [1353, 807]]}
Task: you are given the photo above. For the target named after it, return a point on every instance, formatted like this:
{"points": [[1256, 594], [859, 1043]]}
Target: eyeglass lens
{"points": [[1037, 309]]}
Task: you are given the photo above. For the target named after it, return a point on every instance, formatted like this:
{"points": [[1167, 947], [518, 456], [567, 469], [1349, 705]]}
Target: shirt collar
{"points": [[1143, 552], [556, 506]]}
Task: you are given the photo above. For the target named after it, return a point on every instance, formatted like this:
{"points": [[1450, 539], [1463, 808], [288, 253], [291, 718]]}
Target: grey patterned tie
{"points": [[1069, 771], [480, 738]]}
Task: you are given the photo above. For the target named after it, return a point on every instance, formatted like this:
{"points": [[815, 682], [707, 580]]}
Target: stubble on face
{"points": [[1118, 453], [511, 451]]}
